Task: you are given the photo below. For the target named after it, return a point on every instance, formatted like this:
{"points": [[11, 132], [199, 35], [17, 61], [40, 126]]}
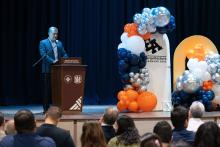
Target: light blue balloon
{"points": [[146, 10], [190, 83], [161, 16], [144, 19], [137, 18]]}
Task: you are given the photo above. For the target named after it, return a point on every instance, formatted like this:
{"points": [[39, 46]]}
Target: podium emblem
{"points": [[77, 105], [77, 79], [68, 79]]}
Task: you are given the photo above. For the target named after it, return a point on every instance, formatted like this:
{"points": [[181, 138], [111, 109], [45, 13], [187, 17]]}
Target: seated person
{"points": [[196, 112], [150, 140], [49, 128], [164, 131], [107, 121], [179, 119], [126, 134], [25, 126]]}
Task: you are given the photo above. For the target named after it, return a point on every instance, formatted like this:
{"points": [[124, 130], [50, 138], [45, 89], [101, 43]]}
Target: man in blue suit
{"points": [[51, 50]]}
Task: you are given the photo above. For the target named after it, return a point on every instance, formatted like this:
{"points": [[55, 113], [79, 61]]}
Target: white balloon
{"points": [[206, 76], [121, 45], [216, 90], [124, 37], [135, 44], [191, 64]]}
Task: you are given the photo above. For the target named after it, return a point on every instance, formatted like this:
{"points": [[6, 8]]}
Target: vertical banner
{"points": [[158, 63]]}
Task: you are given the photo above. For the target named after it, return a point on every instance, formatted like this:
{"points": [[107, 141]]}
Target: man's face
{"points": [[53, 34]]}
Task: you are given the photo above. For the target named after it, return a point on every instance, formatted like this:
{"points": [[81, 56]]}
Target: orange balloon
{"points": [[131, 94], [207, 85], [121, 106], [121, 94], [147, 101], [133, 106], [146, 36]]}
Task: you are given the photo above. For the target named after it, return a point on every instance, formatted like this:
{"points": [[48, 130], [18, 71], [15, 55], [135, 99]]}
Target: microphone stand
{"points": [[42, 57]]}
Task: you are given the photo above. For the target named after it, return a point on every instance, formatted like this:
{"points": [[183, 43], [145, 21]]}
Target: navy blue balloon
{"points": [[134, 59], [122, 53], [125, 78], [122, 65], [142, 64], [134, 69]]}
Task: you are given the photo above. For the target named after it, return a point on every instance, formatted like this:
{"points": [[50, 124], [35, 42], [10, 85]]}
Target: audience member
{"points": [[107, 121], [49, 128], [126, 133], [195, 114], [207, 135], [2, 125], [26, 137], [10, 127], [179, 119], [150, 140], [164, 131], [92, 135], [179, 143]]}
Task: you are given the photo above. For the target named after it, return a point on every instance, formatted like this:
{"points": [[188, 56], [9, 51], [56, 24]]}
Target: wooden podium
{"points": [[67, 82]]}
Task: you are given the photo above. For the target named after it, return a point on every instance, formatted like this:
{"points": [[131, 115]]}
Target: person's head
{"points": [[207, 135], [53, 115], [110, 116], [150, 140], [2, 119], [10, 127], [92, 135], [179, 117], [53, 33], [24, 121], [127, 131], [196, 109], [164, 131], [179, 143]]}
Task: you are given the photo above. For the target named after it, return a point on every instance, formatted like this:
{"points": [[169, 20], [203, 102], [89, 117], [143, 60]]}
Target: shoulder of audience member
{"points": [[47, 141]]}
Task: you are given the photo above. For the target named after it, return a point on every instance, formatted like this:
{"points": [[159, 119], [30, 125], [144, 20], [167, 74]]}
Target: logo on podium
{"points": [[77, 105], [77, 79], [68, 79]]}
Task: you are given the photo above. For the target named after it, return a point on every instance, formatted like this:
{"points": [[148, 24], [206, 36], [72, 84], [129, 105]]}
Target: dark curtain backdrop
{"points": [[89, 29]]}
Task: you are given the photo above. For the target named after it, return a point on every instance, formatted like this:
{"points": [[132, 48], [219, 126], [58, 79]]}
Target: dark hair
{"points": [[178, 116], [127, 132], [207, 135], [2, 119], [110, 116], [24, 121], [150, 140], [54, 112], [92, 135], [164, 131]]}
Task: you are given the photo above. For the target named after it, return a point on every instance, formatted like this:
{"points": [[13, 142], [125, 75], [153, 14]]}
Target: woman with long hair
{"points": [[92, 135], [126, 133], [207, 135]]}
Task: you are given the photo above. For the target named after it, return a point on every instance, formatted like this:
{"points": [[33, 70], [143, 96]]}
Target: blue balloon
{"points": [[142, 64], [210, 95], [122, 65], [134, 69], [134, 59], [125, 78], [168, 28], [122, 53]]}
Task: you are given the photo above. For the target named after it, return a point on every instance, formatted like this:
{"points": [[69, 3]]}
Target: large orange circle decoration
{"points": [[133, 106], [147, 101]]}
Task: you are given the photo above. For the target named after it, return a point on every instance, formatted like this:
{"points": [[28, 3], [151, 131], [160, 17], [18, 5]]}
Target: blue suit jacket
{"points": [[45, 47]]}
